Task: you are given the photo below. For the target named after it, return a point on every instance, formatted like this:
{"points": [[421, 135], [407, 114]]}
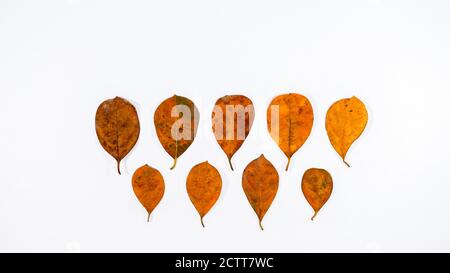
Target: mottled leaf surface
{"points": [[165, 120], [260, 184], [317, 186], [117, 127], [148, 185], [203, 185], [231, 133]]}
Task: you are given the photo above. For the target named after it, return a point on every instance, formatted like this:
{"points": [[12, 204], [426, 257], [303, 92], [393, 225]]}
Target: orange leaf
{"points": [[289, 120], [232, 120], [345, 121], [148, 185], [260, 184], [117, 127], [176, 122], [203, 186], [317, 186]]}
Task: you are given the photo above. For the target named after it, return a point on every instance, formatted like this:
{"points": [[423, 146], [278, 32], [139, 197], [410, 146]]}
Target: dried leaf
{"points": [[345, 122], [317, 186], [148, 185], [117, 127], [260, 184], [176, 122], [203, 186], [232, 120], [289, 119]]}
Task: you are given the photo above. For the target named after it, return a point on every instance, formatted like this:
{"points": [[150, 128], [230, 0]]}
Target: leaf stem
{"points": [[231, 165], [118, 166], [176, 155], [174, 163], [348, 165], [201, 221], [314, 216], [289, 162], [260, 225]]}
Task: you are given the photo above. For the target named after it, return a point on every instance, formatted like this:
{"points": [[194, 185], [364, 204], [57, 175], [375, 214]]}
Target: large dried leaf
{"points": [[148, 185], [345, 122], [289, 119], [176, 122], [260, 184], [232, 120], [117, 127], [317, 186], [203, 186]]}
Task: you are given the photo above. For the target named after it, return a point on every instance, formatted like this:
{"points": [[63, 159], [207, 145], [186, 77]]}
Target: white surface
{"points": [[59, 60]]}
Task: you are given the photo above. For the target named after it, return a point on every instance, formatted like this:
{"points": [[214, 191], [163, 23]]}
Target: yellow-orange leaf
{"points": [[148, 185], [260, 184], [176, 122], [346, 120], [289, 119], [317, 186], [232, 120], [203, 186]]}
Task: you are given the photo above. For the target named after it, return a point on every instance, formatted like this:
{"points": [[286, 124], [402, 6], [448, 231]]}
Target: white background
{"points": [[59, 190]]}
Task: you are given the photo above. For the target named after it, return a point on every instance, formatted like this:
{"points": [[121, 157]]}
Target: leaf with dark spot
{"points": [[345, 122], [289, 120], [176, 121], [232, 120], [260, 184], [317, 186], [203, 186], [148, 185], [117, 127]]}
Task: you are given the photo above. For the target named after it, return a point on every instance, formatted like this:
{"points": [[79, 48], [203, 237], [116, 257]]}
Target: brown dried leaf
{"points": [[203, 186], [117, 127], [260, 184], [184, 124], [317, 186], [231, 133], [345, 122], [295, 120], [148, 185]]}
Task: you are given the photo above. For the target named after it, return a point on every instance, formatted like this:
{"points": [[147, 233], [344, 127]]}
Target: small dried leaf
{"points": [[148, 185], [176, 122], [232, 120], [260, 184], [203, 186], [345, 122], [317, 186], [117, 127], [289, 120]]}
